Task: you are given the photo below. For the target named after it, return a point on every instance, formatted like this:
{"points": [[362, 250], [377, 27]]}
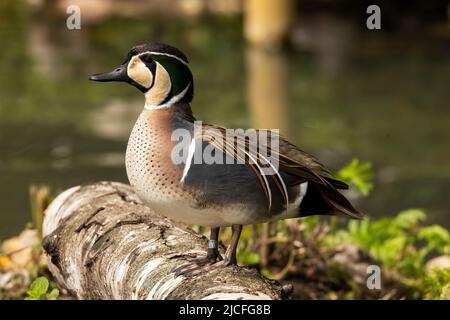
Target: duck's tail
{"points": [[327, 200]]}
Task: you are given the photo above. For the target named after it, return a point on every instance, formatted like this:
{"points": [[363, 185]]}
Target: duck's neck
{"points": [[180, 110], [159, 96]]}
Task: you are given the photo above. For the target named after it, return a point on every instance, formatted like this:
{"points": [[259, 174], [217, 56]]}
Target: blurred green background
{"points": [[338, 91]]}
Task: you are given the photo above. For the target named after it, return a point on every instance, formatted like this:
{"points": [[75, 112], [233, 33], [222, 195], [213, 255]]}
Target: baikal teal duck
{"points": [[248, 181]]}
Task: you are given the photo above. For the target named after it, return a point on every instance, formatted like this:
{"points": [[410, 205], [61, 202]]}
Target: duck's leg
{"points": [[193, 269], [230, 254], [213, 245], [212, 255]]}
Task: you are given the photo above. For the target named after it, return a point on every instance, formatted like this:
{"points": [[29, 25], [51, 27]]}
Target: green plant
{"points": [[39, 290], [401, 242], [437, 285], [358, 174]]}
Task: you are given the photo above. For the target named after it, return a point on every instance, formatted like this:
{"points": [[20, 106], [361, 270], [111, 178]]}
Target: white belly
{"points": [[185, 211]]}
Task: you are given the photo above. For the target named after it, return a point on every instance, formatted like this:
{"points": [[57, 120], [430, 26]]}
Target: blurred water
{"points": [[338, 94]]}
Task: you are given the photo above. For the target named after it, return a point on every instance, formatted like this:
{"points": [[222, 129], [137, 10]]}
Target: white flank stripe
{"points": [[301, 194], [189, 159]]}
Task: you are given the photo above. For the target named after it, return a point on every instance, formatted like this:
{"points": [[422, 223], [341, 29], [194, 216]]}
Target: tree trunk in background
{"points": [[103, 243], [268, 89], [267, 22]]}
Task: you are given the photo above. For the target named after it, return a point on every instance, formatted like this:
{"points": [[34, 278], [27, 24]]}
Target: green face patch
{"points": [[179, 73]]}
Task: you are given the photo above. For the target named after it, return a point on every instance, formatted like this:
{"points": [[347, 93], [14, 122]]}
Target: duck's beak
{"points": [[119, 74]]}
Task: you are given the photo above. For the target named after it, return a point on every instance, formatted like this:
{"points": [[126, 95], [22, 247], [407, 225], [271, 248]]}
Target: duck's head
{"points": [[160, 71]]}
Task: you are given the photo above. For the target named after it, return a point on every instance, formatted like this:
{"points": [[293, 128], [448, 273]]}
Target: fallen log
{"points": [[103, 243]]}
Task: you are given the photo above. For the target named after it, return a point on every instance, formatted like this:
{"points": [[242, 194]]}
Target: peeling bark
{"points": [[103, 243]]}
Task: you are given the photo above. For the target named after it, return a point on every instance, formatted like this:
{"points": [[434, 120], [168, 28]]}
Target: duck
{"points": [[209, 175]]}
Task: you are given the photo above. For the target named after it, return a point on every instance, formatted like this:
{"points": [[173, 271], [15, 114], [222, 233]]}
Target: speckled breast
{"points": [[149, 164]]}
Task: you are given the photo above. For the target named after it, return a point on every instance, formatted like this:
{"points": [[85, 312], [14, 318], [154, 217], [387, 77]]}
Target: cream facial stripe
{"points": [[161, 87], [138, 71]]}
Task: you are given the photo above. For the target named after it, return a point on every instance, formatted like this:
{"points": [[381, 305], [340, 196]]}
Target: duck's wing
{"points": [[294, 159], [237, 146], [290, 160]]}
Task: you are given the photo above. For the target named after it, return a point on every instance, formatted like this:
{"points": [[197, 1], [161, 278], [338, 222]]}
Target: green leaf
{"points": [[437, 284], [409, 218], [252, 258], [38, 288], [266, 273], [358, 174], [53, 295], [437, 236]]}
